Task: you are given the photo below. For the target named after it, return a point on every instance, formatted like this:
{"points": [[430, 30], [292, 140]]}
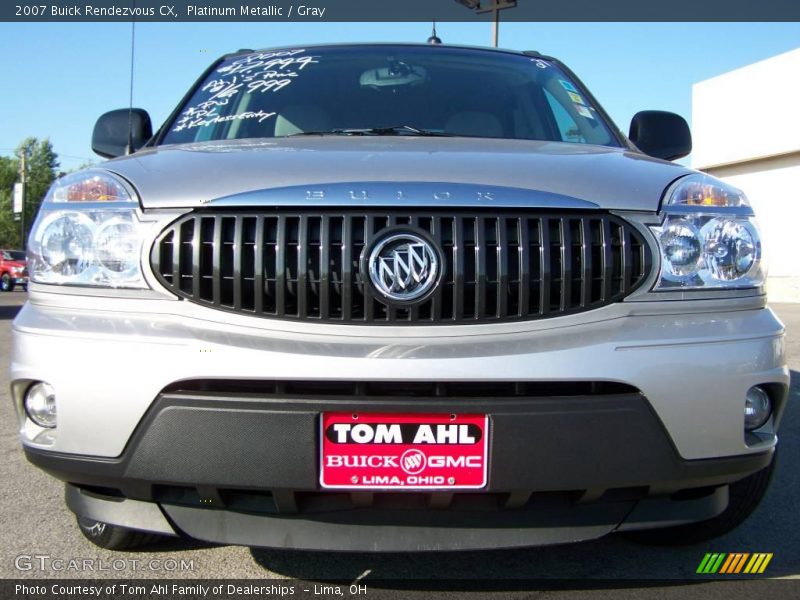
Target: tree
{"points": [[41, 164], [9, 229]]}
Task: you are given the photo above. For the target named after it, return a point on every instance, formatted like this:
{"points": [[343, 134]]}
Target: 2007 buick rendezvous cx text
{"points": [[397, 297]]}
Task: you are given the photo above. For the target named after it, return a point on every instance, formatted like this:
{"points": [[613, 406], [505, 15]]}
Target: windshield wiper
{"points": [[330, 132], [395, 130], [407, 130]]}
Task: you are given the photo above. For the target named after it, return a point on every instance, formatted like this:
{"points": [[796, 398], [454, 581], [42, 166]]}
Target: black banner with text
{"points": [[395, 10]]}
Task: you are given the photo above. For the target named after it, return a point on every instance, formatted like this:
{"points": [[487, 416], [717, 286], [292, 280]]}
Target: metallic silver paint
{"points": [[694, 368], [194, 174]]}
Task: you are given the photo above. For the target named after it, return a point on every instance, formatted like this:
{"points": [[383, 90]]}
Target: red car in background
{"points": [[13, 270]]}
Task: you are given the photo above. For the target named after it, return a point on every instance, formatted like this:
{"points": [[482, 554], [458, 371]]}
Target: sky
{"points": [[59, 77]]}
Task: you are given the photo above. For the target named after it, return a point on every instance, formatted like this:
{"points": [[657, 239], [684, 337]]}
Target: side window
{"points": [[567, 127]]}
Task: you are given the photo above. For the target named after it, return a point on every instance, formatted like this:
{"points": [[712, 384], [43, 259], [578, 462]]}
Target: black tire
{"points": [[6, 283], [744, 497], [114, 537]]}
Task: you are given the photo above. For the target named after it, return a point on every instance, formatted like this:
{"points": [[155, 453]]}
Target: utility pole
{"points": [[495, 7], [23, 180]]}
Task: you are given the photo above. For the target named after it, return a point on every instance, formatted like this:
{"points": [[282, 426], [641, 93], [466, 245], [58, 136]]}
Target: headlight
{"points": [[709, 238], [87, 233]]}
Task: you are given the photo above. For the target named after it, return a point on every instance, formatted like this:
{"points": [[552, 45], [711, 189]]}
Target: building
{"points": [[746, 130]]}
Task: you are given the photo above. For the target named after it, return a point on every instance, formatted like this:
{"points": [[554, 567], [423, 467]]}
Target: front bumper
{"points": [[240, 468], [108, 364], [387, 529], [199, 419]]}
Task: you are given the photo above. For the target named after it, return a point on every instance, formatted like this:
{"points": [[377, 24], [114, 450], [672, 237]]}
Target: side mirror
{"points": [[110, 136], [661, 134]]}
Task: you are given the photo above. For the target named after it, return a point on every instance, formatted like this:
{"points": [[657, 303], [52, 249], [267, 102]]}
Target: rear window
{"points": [[451, 91]]}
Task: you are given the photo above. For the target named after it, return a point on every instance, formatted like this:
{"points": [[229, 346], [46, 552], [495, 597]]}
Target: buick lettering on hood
{"points": [[397, 297]]}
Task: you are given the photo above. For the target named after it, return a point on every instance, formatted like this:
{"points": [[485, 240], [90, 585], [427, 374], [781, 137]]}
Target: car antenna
{"points": [[434, 39], [129, 149]]}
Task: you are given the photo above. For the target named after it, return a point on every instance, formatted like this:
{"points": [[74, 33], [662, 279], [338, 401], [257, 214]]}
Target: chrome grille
{"points": [[304, 264]]}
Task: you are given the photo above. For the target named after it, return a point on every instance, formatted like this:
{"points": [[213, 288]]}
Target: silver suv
{"points": [[397, 297]]}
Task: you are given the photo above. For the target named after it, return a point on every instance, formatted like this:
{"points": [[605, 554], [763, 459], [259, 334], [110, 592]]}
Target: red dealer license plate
{"points": [[403, 451]]}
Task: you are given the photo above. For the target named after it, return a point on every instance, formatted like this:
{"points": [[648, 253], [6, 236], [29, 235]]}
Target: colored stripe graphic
{"points": [[758, 563], [734, 563], [711, 563]]}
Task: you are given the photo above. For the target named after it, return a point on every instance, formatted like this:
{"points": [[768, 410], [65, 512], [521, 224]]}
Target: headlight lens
{"points": [[731, 248], [709, 239], [117, 245], [88, 187], [680, 248], [65, 243], [701, 190], [95, 239]]}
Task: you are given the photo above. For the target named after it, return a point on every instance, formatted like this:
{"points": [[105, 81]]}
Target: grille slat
{"points": [[458, 260], [544, 267], [280, 268], [566, 263], [195, 253], [369, 303], [481, 255], [175, 250], [501, 252], [524, 252], [347, 240], [586, 262], [305, 264], [607, 264], [238, 256], [324, 267], [438, 236], [258, 267], [216, 270], [627, 262]]}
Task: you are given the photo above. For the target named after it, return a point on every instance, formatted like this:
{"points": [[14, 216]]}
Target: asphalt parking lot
{"points": [[34, 522]]}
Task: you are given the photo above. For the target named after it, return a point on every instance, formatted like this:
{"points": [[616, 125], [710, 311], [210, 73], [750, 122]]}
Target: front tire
{"points": [[114, 537], [744, 497], [6, 283]]}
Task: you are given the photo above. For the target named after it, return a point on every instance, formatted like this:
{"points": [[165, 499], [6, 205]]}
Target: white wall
{"points": [[746, 130], [748, 113]]}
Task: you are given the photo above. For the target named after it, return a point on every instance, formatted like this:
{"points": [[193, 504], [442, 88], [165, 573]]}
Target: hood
{"points": [[403, 170], [16, 264]]}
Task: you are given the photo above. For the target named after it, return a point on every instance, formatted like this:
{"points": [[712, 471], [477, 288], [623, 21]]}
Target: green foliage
{"points": [[41, 165], [9, 229]]}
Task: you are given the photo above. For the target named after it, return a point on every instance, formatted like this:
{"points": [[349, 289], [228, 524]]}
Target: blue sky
{"points": [[58, 78]]}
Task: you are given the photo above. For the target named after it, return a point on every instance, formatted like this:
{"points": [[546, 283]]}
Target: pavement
{"points": [[34, 523]]}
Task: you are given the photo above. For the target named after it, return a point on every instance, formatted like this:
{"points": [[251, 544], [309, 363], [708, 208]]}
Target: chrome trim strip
{"points": [[421, 194], [694, 209]]}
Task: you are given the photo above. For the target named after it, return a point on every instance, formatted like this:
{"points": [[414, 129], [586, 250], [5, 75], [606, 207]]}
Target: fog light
{"points": [[40, 405], [757, 408]]}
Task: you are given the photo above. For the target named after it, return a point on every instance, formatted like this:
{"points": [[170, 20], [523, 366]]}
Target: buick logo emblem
{"points": [[404, 267], [413, 461]]}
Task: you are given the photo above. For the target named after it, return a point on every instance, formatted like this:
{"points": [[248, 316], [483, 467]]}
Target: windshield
{"points": [[14, 255], [388, 90]]}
